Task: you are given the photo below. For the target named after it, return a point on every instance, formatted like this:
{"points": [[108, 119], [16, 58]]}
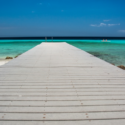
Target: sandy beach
{"points": [[4, 61]]}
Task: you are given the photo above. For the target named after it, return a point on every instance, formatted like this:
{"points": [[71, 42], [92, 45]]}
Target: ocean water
{"points": [[13, 48], [112, 51]]}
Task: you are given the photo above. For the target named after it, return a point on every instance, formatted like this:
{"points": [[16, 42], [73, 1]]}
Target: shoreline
{"points": [[4, 61], [7, 59]]}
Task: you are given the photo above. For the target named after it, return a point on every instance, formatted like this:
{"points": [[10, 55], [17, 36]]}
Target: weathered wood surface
{"points": [[58, 84]]}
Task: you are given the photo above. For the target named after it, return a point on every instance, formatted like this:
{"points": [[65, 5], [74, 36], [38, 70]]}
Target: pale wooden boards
{"points": [[56, 83]]}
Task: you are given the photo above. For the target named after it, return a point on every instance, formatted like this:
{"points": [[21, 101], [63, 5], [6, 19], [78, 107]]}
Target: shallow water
{"points": [[112, 52], [13, 49]]}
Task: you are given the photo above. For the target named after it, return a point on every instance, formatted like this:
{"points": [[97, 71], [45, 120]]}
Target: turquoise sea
{"points": [[13, 48], [112, 51]]}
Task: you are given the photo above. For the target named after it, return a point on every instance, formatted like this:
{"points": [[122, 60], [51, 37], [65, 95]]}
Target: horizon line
{"points": [[61, 37]]}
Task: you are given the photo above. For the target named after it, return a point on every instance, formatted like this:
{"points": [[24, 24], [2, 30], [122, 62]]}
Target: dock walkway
{"points": [[59, 84]]}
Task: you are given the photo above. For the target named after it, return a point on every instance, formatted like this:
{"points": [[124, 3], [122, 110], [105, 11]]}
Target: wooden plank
{"points": [[56, 83]]}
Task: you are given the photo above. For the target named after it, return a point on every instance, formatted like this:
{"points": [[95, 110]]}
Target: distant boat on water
{"points": [[105, 40]]}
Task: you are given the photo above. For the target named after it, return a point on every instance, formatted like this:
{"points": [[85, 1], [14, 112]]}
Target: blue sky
{"points": [[62, 18]]}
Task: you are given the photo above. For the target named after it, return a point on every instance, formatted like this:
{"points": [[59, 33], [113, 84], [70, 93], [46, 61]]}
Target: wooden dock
{"points": [[59, 84]]}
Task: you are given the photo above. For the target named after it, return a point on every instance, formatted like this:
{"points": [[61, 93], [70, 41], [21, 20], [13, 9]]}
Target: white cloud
{"points": [[106, 20], [113, 24], [122, 31], [103, 24], [100, 25]]}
